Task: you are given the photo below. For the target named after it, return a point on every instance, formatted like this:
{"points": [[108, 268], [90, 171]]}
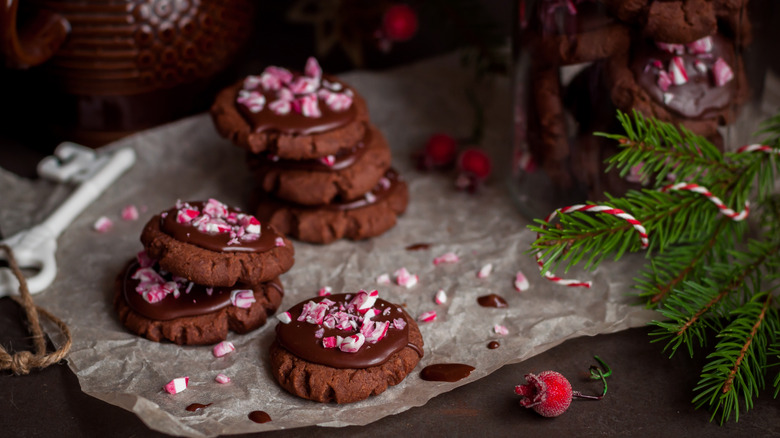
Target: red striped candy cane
{"points": [[595, 209], [734, 215]]}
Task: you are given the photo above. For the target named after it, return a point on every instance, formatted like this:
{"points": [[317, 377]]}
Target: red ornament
{"points": [[548, 393], [475, 162], [399, 23]]}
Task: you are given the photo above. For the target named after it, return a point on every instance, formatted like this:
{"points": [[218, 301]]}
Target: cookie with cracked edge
{"points": [[210, 258], [333, 379], [350, 173], [369, 216], [196, 317]]}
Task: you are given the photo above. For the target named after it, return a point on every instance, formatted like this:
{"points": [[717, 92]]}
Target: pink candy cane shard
{"points": [[242, 298], [280, 107], [223, 348], [186, 215], [700, 46], [103, 225], [449, 257], [383, 279], [328, 160], [330, 342], [307, 106], [130, 213], [721, 72], [221, 378], [677, 71], [325, 291], [312, 68], [427, 316], [671, 48], [440, 297], [664, 80], [177, 385], [485, 271], [252, 100], [399, 323], [279, 242], [521, 282], [284, 317], [364, 300], [500, 330]]}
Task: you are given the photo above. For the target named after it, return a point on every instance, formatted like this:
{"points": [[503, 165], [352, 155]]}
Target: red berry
{"points": [[440, 150], [399, 22], [475, 162], [548, 393]]}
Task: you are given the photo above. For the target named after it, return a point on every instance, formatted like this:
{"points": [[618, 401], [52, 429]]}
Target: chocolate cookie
{"points": [[160, 306], [344, 348], [291, 115], [369, 216], [676, 21], [212, 244], [699, 85], [347, 175]]}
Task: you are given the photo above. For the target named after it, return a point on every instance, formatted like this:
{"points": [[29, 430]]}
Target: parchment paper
{"points": [[188, 160]]}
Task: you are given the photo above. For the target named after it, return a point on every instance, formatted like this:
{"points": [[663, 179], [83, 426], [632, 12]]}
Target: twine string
{"points": [[22, 362]]}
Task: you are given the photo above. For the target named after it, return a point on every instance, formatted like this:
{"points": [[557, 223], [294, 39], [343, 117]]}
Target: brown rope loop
{"points": [[23, 362]]}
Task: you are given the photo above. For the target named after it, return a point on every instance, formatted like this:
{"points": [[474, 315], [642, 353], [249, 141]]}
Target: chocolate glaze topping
{"points": [[446, 372], [196, 302], [259, 417], [343, 159], [295, 123], [298, 337], [697, 98], [215, 242]]}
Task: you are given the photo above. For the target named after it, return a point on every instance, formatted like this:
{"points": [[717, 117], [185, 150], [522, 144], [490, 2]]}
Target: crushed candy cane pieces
{"points": [[177, 385], [485, 271], [221, 378], [242, 298], [284, 317], [449, 257], [103, 225], [223, 348], [521, 282], [130, 213], [405, 279], [429, 316], [500, 330], [441, 297]]}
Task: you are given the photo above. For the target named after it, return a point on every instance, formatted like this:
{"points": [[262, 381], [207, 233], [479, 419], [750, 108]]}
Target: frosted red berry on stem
{"points": [[399, 23], [548, 393]]}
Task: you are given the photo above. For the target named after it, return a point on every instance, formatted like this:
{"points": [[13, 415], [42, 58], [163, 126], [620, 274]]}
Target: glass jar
{"points": [[710, 66]]}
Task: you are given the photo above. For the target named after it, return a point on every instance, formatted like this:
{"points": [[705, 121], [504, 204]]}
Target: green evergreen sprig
{"points": [[704, 275]]}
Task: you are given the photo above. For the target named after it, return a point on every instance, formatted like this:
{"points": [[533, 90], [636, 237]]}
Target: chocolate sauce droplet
{"points": [[196, 407], [493, 345], [492, 300], [259, 417], [446, 372], [418, 246]]}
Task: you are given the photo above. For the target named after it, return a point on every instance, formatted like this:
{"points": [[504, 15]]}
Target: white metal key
{"points": [[35, 248]]}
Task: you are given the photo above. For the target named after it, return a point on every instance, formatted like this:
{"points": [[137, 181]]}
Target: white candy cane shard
{"points": [[223, 348], [405, 279], [521, 282], [103, 224], [177, 385], [449, 257], [594, 208], [440, 297], [221, 378], [285, 317], [485, 271], [734, 215]]}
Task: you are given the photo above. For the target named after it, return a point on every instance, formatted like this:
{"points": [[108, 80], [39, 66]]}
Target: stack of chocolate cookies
{"points": [[323, 170], [206, 268]]}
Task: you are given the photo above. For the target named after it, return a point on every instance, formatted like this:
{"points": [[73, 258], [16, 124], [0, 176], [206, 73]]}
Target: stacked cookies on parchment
{"points": [[323, 170], [206, 269]]}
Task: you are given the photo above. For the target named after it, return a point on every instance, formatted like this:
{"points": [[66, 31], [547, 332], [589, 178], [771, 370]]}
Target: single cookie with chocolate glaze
{"points": [[346, 175], [291, 115], [212, 244], [368, 216], [700, 85], [344, 348], [160, 306]]}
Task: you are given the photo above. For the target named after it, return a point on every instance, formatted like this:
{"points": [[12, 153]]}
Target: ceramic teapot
{"points": [[110, 67]]}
